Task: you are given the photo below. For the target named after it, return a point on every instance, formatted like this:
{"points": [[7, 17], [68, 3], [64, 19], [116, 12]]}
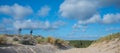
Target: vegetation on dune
{"points": [[62, 44], [3, 39], [28, 40], [40, 40], [59, 41], [108, 38], [51, 40], [31, 40], [16, 38], [80, 43]]}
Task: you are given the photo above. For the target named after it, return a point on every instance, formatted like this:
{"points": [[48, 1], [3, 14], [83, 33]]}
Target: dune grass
{"points": [[108, 38], [3, 39]]}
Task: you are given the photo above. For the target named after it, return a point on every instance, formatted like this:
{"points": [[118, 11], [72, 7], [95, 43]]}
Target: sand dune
{"points": [[109, 44], [112, 46], [29, 49]]}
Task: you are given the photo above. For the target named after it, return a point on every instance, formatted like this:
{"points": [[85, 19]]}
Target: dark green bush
{"points": [[80, 43]]}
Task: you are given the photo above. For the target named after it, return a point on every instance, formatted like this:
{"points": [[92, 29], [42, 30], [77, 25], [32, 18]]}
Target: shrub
{"points": [[3, 39], [40, 40], [28, 40], [58, 41], [61, 44], [16, 38], [51, 40]]}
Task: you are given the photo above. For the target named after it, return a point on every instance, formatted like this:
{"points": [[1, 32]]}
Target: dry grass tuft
{"points": [[108, 38], [3, 39]]}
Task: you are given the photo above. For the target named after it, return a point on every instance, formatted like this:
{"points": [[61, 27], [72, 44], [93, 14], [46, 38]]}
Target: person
{"points": [[31, 31], [19, 31]]}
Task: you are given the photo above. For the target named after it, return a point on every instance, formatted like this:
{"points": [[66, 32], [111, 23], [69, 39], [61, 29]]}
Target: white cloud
{"points": [[7, 20], [29, 24], [78, 9], [5, 9], [82, 24], [116, 3], [112, 28], [16, 11], [107, 19], [5, 29], [84, 9], [58, 23], [44, 11], [22, 24], [6, 25], [94, 19], [111, 18], [78, 27]]}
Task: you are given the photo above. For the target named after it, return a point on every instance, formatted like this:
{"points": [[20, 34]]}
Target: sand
{"points": [[80, 50]]}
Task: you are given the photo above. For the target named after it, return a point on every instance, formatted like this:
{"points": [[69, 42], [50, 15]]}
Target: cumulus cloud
{"points": [[16, 11], [111, 18], [29, 24], [116, 3], [85, 10], [44, 11], [23, 24], [106, 19], [78, 9], [18, 20], [5, 29], [94, 19], [82, 24]]}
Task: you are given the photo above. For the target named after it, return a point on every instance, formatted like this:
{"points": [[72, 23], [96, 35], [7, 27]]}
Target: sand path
{"points": [[81, 50]]}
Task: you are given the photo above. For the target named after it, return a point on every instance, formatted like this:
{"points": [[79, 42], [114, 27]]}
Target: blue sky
{"points": [[65, 19]]}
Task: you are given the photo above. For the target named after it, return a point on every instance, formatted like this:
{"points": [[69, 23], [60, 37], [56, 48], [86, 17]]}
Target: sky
{"points": [[65, 19]]}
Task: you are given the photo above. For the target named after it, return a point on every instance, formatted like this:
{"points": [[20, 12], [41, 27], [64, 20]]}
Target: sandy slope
{"points": [[29, 49], [87, 50], [112, 46], [80, 50]]}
